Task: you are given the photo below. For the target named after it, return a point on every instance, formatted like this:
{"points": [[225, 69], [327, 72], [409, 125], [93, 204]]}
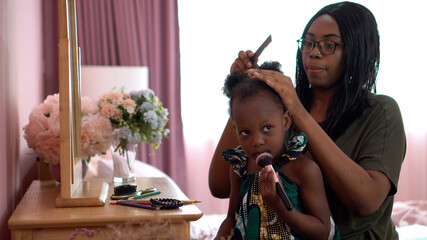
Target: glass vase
{"points": [[124, 161]]}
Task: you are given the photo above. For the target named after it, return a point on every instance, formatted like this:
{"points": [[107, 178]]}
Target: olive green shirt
{"points": [[376, 141]]}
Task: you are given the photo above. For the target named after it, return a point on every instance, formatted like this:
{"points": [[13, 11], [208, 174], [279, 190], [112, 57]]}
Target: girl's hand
{"points": [[243, 62], [267, 186], [283, 85]]}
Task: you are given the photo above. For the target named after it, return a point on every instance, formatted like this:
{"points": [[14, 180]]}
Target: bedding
{"points": [[410, 218], [412, 212]]}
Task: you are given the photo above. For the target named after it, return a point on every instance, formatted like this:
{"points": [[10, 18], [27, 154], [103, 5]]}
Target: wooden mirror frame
{"points": [[74, 191]]}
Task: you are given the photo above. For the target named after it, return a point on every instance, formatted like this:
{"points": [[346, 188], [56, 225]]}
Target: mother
{"points": [[355, 136]]}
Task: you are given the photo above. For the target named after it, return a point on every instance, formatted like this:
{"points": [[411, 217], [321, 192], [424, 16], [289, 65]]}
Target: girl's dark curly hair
{"points": [[359, 32], [241, 86]]}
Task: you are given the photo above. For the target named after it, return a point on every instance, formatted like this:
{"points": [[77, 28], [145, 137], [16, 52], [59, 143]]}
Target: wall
{"points": [[21, 73]]}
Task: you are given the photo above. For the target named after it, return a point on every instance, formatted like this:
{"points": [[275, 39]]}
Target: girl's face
{"points": [[323, 71], [260, 124]]}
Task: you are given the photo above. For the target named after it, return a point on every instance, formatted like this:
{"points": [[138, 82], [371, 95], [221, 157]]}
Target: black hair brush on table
{"points": [[125, 191]]}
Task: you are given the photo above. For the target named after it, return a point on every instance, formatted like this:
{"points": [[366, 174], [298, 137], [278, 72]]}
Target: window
{"points": [[212, 33]]}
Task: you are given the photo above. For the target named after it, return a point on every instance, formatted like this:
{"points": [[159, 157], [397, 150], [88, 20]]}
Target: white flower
{"points": [[136, 138], [148, 94], [165, 113], [166, 132], [152, 118], [146, 106], [157, 138]]}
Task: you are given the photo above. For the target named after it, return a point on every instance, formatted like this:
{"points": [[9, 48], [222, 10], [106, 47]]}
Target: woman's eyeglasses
{"points": [[326, 47]]}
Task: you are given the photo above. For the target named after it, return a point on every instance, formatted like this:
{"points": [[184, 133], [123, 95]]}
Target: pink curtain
{"points": [[413, 177], [50, 46], [140, 33]]}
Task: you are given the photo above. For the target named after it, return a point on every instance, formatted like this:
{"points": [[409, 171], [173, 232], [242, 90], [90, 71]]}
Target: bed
{"points": [[410, 218]]}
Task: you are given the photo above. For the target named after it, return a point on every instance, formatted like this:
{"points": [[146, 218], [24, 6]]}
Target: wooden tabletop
{"points": [[38, 210]]}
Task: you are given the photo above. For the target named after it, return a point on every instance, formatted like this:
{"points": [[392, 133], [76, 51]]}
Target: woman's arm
{"points": [[362, 191], [219, 177], [229, 223], [219, 180], [315, 222]]}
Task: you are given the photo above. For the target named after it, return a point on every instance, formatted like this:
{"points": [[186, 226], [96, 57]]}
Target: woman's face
{"points": [[323, 71], [260, 125]]}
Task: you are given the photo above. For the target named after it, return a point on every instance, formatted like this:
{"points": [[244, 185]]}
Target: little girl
{"points": [[255, 210]]}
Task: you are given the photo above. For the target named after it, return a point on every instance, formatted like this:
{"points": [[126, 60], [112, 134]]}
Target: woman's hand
{"points": [[243, 62], [283, 85]]}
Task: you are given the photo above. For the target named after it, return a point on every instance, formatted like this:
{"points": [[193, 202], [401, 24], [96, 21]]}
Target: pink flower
{"points": [[108, 110], [129, 105], [50, 107], [89, 106], [126, 95], [41, 138], [115, 98], [96, 133], [43, 132]]}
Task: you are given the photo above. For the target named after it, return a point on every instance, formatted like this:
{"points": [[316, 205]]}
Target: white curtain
{"points": [[212, 33]]}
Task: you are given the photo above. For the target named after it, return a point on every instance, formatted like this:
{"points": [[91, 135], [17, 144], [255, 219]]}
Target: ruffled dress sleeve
{"points": [[295, 147], [238, 160]]}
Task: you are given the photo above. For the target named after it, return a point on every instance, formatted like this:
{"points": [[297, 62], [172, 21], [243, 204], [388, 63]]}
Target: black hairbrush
{"points": [[125, 191]]}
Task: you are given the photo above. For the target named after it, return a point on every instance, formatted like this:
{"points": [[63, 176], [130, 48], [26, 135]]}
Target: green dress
{"points": [[254, 218]]}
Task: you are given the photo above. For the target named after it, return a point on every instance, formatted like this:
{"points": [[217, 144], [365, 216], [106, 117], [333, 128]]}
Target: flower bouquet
{"points": [[43, 131], [136, 117]]}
